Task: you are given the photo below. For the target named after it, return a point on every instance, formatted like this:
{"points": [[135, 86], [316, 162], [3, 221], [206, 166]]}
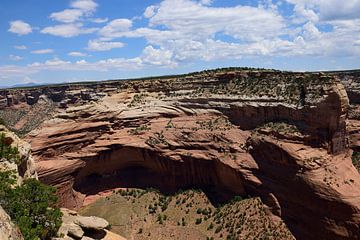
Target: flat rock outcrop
{"points": [[278, 135], [75, 226]]}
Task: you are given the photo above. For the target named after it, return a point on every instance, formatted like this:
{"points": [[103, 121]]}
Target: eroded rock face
{"points": [[26, 168], [351, 81], [280, 136], [8, 231]]}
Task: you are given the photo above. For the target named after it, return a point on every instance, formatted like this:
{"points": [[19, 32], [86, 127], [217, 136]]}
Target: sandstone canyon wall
{"points": [[278, 135]]}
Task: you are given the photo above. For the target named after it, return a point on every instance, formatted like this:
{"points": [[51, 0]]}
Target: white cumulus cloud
{"points": [[116, 28], [20, 27], [99, 20], [150, 11], [15, 58], [20, 47], [68, 30], [87, 6], [43, 51], [96, 45], [77, 54], [158, 57], [67, 15]]}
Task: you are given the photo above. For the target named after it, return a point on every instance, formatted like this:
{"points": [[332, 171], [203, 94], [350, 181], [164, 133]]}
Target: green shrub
{"points": [[7, 151], [211, 226], [7, 179], [160, 219], [183, 223], [356, 159], [198, 221], [218, 229], [32, 206], [109, 227]]}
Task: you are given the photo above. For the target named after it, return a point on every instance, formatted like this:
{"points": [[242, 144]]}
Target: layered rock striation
{"points": [[278, 135]]}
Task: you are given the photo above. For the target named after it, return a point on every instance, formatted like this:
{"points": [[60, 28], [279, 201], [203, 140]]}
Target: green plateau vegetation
{"points": [[149, 214], [210, 71]]}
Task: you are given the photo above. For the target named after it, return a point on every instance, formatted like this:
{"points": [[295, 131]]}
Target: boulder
{"points": [[75, 226], [72, 230], [92, 223]]}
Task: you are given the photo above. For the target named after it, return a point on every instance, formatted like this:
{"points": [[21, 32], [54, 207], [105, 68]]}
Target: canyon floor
{"points": [[148, 214]]}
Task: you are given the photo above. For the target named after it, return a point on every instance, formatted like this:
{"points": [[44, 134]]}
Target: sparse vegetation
{"points": [[170, 124], [215, 124], [139, 130], [138, 99], [189, 211], [156, 139], [31, 117], [279, 127], [356, 160]]}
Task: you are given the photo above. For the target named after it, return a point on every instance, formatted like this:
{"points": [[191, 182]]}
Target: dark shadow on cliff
{"points": [[304, 211], [143, 178]]}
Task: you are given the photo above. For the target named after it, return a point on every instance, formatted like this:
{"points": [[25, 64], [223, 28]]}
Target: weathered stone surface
{"points": [[280, 136], [113, 236], [75, 226], [93, 223], [351, 80], [87, 238], [72, 230], [27, 168], [8, 231]]}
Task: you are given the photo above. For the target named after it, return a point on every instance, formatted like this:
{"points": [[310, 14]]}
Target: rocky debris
{"points": [[75, 226], [203, 131]]}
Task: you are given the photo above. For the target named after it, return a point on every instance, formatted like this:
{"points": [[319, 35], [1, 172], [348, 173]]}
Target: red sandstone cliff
{"points": [[280, 136]]}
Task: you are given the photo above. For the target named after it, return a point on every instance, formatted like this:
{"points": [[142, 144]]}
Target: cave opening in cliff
{"points": [[140, 177]]}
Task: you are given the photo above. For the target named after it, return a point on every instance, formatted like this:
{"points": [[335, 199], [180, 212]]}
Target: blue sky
{"points": [[80, 40]]}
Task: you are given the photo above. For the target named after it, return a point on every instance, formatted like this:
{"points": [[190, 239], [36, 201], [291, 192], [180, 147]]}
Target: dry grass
{"points": [[140, 214]]}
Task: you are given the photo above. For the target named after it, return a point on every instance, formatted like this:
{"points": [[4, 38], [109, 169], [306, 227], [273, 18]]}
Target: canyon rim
{"points": [[286, 137]]}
